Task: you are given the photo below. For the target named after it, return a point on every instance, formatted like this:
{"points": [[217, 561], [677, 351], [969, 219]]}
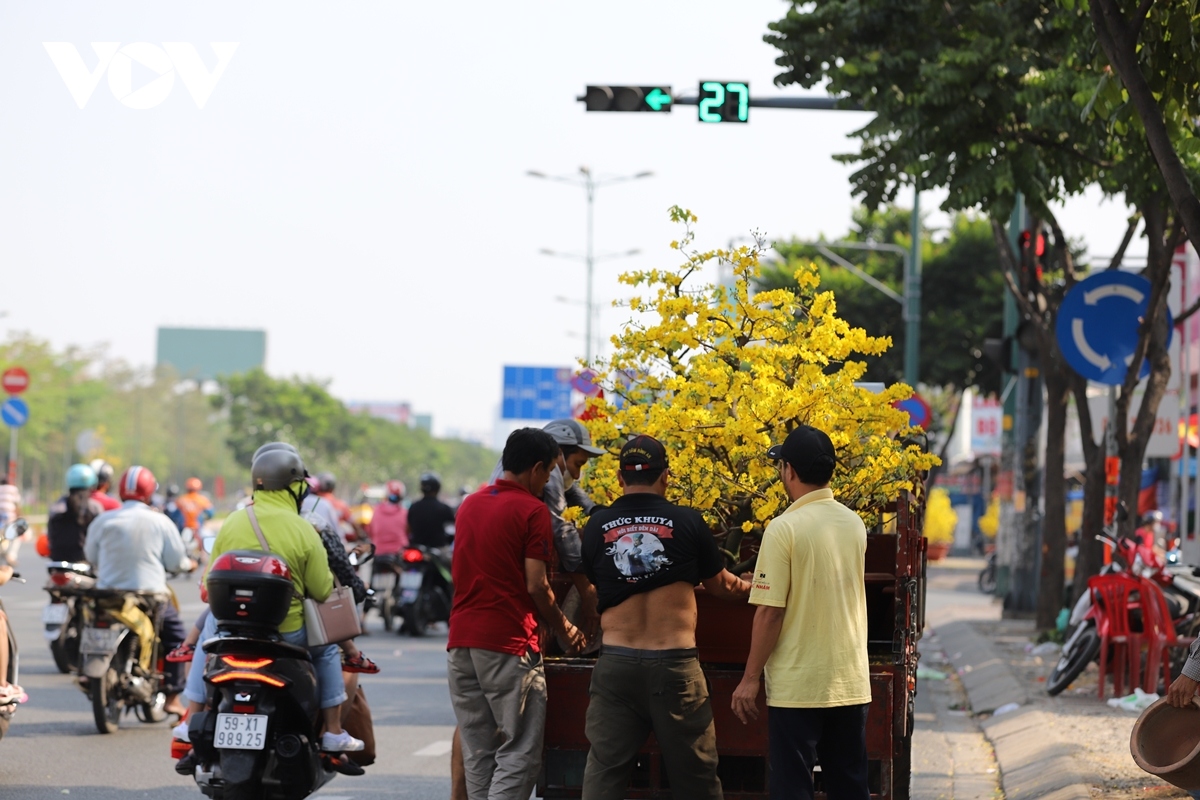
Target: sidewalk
{"points": [[1070, 747]]}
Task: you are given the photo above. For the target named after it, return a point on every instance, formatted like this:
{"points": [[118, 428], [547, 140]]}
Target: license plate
{"points": [[55, 614], [411, 580], [99, 640], [241, 732]]}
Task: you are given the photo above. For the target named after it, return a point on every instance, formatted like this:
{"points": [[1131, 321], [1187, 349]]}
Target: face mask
{"points": [[568, 479], [393, 498]]}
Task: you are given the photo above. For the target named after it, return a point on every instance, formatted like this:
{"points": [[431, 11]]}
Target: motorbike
{"points": [[62, 618], [425, 589], [260, 737], [113, 672], [987, 575], [384, 588], [192, 545], [1083, 642], [8, 710]]}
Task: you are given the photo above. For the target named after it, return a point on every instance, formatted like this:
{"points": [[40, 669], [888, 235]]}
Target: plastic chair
{"points": [[1112, 593], [1159, 634]]}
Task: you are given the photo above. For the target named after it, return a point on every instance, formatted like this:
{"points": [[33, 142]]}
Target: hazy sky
{"points": [[355, 182]]}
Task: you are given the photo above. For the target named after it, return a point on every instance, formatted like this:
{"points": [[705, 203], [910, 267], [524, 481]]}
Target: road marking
{"points": [[435, 749]]}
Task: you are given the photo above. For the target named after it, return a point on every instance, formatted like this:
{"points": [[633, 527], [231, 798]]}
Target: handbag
{"points": [[330, 621]]}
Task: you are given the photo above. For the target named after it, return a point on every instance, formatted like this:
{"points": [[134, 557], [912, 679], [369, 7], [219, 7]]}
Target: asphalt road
{"points": [[52, 748]]}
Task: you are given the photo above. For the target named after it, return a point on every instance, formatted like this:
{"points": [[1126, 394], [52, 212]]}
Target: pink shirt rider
{"points": [[388, 528]]}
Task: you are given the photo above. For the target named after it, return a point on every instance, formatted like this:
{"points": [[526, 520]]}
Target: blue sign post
{"points": [[536, 393], [1098, 323], [14, 412]]}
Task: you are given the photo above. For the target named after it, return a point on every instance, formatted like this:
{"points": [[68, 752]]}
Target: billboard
{"points": [[205, 353], [536, 393]]}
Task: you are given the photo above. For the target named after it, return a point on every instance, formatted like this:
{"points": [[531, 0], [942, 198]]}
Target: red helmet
{"points": [[193, 485], [396, 488], [138, 483]]}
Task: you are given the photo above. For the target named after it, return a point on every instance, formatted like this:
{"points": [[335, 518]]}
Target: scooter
{"points": [[62, 618], [111, 667], [384, 587], [987, 575], [425, 589], [261, 736], [9, 709], [1083, 644]]}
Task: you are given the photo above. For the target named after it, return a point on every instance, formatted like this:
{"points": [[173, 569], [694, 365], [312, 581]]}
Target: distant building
{"points": [[204, 354], [399, 413]]}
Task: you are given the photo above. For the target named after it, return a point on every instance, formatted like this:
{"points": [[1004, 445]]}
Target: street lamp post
{"points": [[590, 184]]}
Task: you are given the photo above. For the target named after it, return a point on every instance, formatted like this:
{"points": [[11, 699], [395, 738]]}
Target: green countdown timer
{"points": [[724, 101]]}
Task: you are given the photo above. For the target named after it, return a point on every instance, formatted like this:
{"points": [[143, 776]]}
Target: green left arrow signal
{"points": [[657, 99]]}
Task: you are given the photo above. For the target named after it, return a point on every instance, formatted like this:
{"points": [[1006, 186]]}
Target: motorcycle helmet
{"points": [[272, 446], [395, 489], [431, 483], [172, 491], [104, 472], [193, 484], [81, 476], [1152, 517], [277, 469], [326, 481], [138, 483]]}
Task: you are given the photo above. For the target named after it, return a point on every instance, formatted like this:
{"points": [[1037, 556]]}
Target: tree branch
{"points": [[1139, 17], [1121, 49], [1119, 256]]}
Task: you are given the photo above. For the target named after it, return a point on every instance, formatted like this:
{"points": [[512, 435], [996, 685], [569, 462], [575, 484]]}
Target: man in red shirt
{"points": [[104, 476], [503, 539]]}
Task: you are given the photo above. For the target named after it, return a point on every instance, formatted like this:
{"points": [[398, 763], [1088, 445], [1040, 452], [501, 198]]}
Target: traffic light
{"points": [[724, 101], [628, 98]]}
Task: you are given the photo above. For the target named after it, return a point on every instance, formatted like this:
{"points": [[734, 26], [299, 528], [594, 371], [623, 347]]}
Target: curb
{"points": [[1035, 761]]}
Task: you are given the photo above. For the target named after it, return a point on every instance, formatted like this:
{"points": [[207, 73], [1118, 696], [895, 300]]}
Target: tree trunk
{"points": [[1152, 346], [1051, 577], [1120, 46], [1091, 553]]}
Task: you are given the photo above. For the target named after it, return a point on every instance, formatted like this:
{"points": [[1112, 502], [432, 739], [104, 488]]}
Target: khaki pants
{"points": [[634, 692], [500, 703]]}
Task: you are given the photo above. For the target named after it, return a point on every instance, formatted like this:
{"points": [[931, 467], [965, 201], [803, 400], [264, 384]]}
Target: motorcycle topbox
{"points": [[250, 587]]}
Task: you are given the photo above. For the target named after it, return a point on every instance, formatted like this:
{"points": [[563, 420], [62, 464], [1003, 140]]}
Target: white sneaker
{"points": [[180, 731], [340, 743]]}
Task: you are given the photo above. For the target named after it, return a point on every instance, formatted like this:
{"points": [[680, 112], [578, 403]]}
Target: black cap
{"points": [[643, 453], [809, 451]]}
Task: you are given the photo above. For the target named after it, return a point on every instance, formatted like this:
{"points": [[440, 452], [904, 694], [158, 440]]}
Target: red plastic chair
{"points": [[1112, 593], [1159, 634]]}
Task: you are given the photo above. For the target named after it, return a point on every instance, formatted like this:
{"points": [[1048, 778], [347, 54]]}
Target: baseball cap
{"points": [[807, 449], [572, 432], [643, 453]]}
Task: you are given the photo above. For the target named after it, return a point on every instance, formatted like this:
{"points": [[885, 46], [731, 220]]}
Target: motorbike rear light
{"points": [[238, 675], [180, 748], [244, 709], [413, 556], [60, 578], [247, 663]]}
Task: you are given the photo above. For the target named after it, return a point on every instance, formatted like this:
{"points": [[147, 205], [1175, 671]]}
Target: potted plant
{"points": [[941, 521]]}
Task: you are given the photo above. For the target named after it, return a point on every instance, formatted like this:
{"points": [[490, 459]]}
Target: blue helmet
{"points": [[81, 476]]}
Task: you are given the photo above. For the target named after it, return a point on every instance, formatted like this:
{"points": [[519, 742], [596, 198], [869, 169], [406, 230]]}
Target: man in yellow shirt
{"points": [[810, 631]]}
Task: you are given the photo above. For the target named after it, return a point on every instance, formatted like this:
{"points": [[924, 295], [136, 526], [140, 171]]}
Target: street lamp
{"points": [[590, 184]]}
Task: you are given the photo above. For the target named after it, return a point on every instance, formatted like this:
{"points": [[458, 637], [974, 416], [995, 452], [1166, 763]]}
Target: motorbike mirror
{"points": [[207, 543], [16, 529]]}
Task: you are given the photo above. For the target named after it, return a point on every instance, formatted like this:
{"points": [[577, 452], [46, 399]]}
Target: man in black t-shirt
{"points": [[428, 517], [645, 556]]}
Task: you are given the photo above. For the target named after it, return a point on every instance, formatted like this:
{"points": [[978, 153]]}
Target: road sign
{"points": [[14, 412], [628, 98], [1098, 323], [987, 426], [919, 413], [536, 393], [14, 380], [724, 101]]}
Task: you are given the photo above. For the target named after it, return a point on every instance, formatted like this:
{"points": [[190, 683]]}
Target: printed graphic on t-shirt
{"points": [[635, 545]]}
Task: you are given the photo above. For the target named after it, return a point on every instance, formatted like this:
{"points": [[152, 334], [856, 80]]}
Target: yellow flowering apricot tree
{"points": [[719, 373]]}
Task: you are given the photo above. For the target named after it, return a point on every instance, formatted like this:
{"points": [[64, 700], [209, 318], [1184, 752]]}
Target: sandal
{"points": [[181, 654], [359, 663]]}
